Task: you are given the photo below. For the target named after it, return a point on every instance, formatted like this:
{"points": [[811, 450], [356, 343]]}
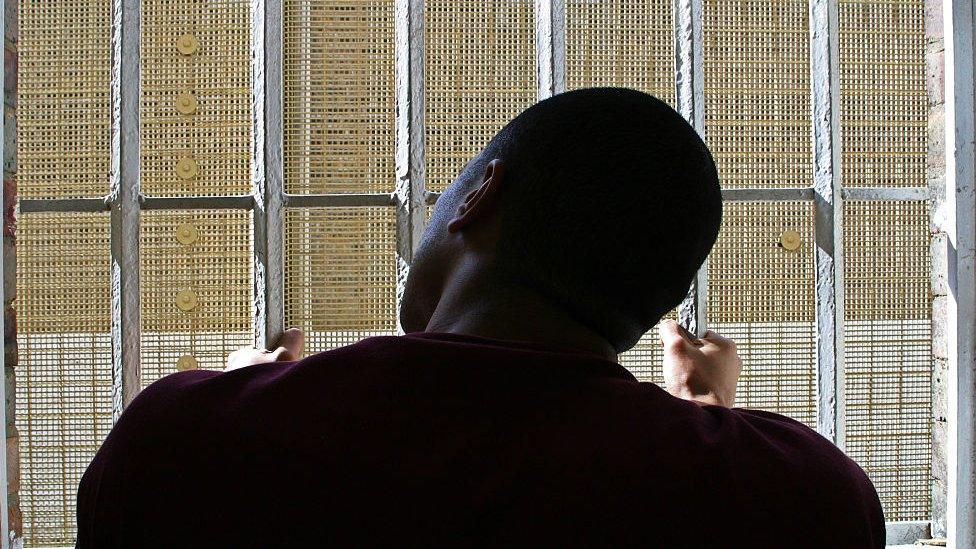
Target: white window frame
{"points": [[267, 201]]}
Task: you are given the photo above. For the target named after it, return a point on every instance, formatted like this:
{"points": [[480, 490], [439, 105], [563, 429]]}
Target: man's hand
{"points": [[289, 348], [701, 370]]}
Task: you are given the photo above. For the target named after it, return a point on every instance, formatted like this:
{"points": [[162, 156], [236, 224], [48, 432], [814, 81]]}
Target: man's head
{"points": [[604, 202]]}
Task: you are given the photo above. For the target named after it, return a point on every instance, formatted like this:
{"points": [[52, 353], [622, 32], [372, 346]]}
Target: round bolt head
{"points": [[186, 103], [186, 300], [187, 168], [187, 44], [186, 362], [790, 240], [186, 233]]}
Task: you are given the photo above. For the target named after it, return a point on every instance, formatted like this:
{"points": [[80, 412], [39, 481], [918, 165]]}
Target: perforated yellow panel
{"points": [[339, 96], [340, 274], [888, 345], [761, 295], [197, 289], [196, 97], [884, 108], [64, 370], [480, 72], [63, 98], [626, 43], [757, 91]]}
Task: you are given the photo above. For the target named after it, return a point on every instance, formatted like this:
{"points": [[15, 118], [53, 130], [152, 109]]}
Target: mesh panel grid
{"points": [[645, 359], [63, 96], [340, 274], [757, 91], [884, 106], [480, 72], [217, 136], [622, 43], [216, 266], [888, 362], [762, 296], [339, 96], [64, 389]]}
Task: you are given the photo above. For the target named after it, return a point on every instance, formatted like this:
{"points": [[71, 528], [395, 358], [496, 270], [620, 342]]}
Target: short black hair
{"points": [[610, 205]]}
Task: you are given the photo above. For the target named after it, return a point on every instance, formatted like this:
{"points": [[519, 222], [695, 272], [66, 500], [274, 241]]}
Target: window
{"points": [[277, 163]]}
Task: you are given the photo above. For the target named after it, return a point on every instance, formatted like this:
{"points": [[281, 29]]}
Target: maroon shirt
{"points": [[457, 440]]}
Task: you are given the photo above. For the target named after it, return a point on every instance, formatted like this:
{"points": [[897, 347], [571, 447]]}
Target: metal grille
{"points": [[340, 274], [762, 296], [196, 97], [63, 99], [340, 263], [757, 91], [197, 294], [888, 351], [480, 72], [64, 389], [339, 96], [884, 106], [627, 43]]}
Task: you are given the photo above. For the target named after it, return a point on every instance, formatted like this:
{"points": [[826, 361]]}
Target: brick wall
{"points": [[9, 263], [935, 76]]}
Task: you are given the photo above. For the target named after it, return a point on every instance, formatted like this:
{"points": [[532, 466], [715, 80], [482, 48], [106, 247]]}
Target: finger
{"points": [[718, 339], [279, 354], [235, 356], [671, 334], [293, 341]]}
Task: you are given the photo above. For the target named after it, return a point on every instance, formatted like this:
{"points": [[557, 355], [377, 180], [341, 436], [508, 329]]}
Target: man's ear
{"points": [[481, 200]]}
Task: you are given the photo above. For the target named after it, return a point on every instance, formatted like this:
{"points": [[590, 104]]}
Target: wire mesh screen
{"points": [[63, 98], [645, 359], [621, 43], [340, 274], [196, 97], [196, 286], [888, 362], [884, 107], [480, 72], [757, 91], [761, 295], [64, 370], [339, 93]]}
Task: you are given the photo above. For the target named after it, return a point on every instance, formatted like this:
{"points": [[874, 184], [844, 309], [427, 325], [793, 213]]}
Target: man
{"points": [[502, 417]]}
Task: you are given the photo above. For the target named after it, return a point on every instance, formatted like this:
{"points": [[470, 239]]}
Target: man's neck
{"points": [[503, 312]]}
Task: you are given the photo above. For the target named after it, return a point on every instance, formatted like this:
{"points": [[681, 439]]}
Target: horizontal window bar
{"points": [[338, 200], [786, 194], [33, 205], [887, 193], [906, 532], [246, 202], [243, 202]]}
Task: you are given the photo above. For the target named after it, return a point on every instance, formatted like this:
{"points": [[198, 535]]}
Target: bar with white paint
{"points": [[409, 193], [960, 229], [124, 201], [828, 214]]}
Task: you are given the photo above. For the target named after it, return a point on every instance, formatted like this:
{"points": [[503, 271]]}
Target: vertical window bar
{"points": [[828, 213], [410, 193], [4, 524], [267, 170], [690, 96], [124, 203], [550, 43], [960, 227]]}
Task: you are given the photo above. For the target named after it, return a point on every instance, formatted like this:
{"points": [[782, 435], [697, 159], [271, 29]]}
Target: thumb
{"points": [[290, 345], [671, 335]]}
